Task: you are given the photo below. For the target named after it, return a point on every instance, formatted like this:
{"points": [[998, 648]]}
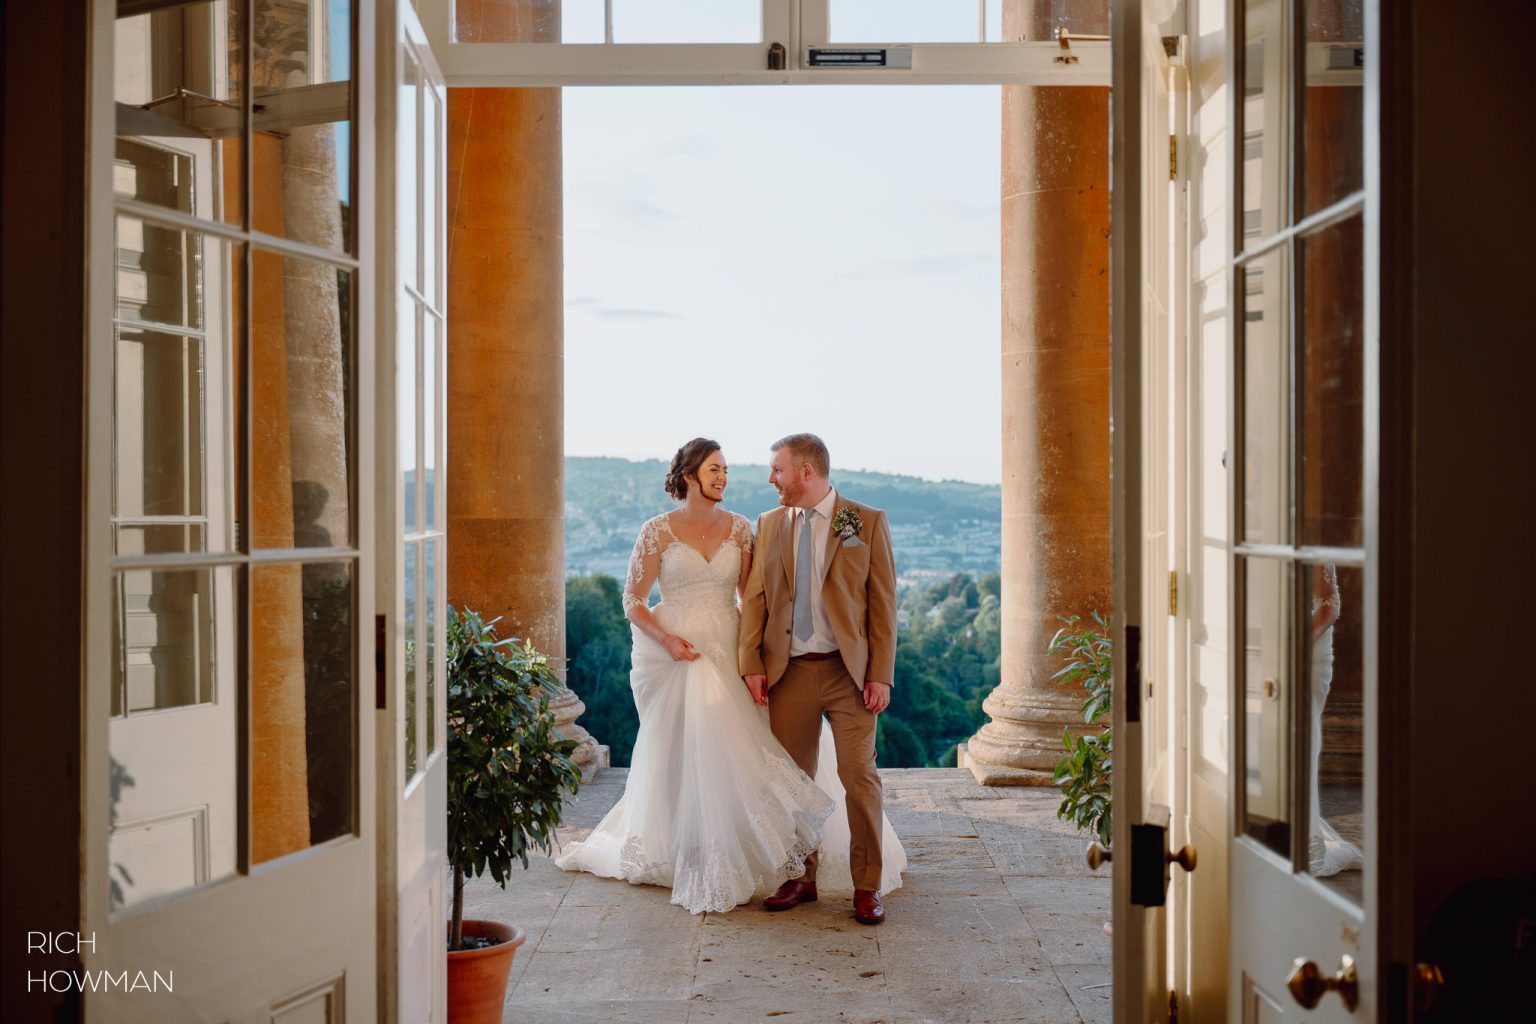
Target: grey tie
{"points": [[803, 575]]}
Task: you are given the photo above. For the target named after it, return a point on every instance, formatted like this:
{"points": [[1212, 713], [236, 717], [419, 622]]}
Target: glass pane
{"points": [[303, 743], [431, 429], [406, 422], [179, 112], [301, 145], [1261, 118], [160, 273], [302, 465], [163, 629], [1332, 103], [880, 21], [1265, 406], [429, 628], [434, 237], [162, 428], [172, 428], [685, 21], [408, 630], [1266, 704], [581, 21], [408, 152], [163, 539], [1332, 409], [1336, 786], [174, 805]]}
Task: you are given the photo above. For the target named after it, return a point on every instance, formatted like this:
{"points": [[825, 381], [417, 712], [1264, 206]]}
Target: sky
{"points": [[746, 262]]}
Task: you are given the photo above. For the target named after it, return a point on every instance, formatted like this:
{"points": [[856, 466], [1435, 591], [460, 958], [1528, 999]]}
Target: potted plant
{"points": [[509, 772], [1084, 774]]}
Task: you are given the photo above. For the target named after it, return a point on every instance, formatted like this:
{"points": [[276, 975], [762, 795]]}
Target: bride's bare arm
{"points": [[644, 567]]}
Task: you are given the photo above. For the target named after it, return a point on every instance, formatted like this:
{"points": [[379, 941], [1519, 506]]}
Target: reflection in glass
{"points": [[1265, 407], [411, 579], [1332, 395], [301, 146], [431, 430], [1332, 104], [429, 636], [408, 141], [301, 361], [683, 21], [302, 706], [171, 421], [1266, 706], [1334, 666], [162, 636], [132, 540], [434, 210], [173, 733], [406, 421], [160, 273], [179, 113], [161, 427], [1260, 118]]}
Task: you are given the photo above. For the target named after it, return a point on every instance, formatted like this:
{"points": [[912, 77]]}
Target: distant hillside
{"points": [[938, 528]]}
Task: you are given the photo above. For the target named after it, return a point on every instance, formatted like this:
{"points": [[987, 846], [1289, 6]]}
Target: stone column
{"points": [[506, 369], [1055, 376]]}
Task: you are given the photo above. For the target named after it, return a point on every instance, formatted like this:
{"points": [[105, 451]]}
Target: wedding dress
{"points": [[713, 806], [1328, 853]]}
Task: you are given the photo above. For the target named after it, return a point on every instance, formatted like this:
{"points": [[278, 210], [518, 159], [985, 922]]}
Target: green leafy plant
{"points": [[1084, 774], [509, 771]]}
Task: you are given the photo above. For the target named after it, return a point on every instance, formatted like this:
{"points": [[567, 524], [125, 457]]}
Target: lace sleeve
{"points": [[644, 566], [741, 533]]}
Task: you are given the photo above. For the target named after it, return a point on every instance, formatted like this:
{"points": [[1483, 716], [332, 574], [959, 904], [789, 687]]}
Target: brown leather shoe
{"points": [[791, 894], [867, 908]]}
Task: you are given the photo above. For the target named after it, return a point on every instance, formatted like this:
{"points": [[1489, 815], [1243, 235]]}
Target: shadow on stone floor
{"points": [[999, 921]]}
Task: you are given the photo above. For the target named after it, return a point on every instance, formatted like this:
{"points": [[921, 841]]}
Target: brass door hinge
{"points": [[1173, 591], [1173, 158]]}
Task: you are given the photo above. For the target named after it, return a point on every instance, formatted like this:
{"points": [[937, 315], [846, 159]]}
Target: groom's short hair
{"points": [[807, 448]]}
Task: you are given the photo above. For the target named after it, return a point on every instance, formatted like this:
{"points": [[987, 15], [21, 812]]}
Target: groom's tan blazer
{"points": [[858, 594]]}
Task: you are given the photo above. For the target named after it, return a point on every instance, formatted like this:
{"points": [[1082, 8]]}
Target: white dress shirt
{"points": [[821, 641]]}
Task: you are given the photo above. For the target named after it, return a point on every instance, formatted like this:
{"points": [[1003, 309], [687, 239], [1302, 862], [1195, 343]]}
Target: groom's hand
{"points": [[877, 696], [757, 686]]}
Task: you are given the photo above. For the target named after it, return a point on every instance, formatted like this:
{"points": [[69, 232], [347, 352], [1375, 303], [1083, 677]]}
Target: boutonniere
{"points": [[847, 524]]}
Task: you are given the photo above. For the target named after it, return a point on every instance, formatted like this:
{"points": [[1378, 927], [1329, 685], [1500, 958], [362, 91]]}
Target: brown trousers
{"points": [[795, 706]]}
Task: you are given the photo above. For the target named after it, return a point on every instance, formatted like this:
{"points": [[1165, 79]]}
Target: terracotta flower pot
{"points": [[477, 978]]}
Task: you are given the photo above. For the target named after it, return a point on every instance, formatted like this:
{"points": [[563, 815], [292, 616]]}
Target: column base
{"points": [[1022, 743], [589, 755], [999, 775]]}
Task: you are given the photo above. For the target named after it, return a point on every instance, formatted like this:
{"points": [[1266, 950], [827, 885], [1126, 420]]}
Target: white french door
{"points": [[1302, 851], [412, 508], [228, 781]]}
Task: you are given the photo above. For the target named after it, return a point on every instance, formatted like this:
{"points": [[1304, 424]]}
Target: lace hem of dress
{"points": [[717, 881]]}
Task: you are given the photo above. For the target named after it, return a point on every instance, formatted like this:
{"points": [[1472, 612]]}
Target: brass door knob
{"points": [[1098, 856], [1185, 858], [1308, 985]]}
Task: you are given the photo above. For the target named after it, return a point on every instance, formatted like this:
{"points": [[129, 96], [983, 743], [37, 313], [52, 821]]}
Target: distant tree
{"points": [[597, 649], [896, 745]]}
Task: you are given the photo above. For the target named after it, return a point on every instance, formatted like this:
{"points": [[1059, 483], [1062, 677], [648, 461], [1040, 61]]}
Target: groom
{"points": [[818, 628]]}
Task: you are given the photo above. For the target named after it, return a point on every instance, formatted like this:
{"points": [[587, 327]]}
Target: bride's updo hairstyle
{"points": [[686, 463]]}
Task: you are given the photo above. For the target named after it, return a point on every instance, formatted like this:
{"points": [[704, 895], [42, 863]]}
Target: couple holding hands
{"points": [[724, 800]]}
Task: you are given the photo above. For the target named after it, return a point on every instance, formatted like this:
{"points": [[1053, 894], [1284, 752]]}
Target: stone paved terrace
{"points": [[999, 921]]}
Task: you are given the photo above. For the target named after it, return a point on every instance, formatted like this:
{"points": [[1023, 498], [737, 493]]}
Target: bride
{"points": [[713, 806]]}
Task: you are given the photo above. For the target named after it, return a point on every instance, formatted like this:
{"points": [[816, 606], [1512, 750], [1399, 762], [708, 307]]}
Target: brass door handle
{"points": [[1098, 856], [1185, 858], [1308, 985]]}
